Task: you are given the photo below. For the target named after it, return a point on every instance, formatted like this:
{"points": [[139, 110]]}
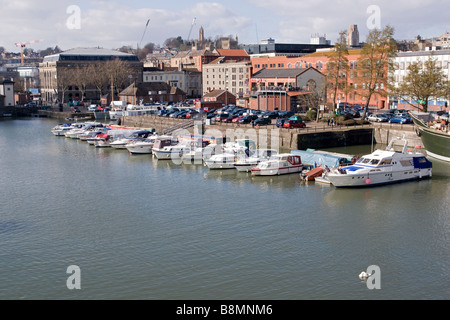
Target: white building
{"points": [[404, 60], [188, 80], [7, 93], [227, 75]]}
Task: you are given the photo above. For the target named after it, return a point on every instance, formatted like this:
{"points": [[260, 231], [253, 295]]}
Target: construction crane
{"points": [[192, 25], [23, 45]]}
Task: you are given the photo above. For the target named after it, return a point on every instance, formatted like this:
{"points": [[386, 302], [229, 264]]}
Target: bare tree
{"points": [[373, 64], [81, 78], [98, 78], [337, 68], [120, 74], [64, 80]]}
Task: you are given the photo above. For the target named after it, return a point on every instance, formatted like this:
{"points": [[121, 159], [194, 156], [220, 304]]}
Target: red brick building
{"points": [[283, 89], [319, 61], [216, 99]]}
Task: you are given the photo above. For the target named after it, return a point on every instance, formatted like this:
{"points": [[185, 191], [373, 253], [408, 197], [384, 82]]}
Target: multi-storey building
{"points": [[7, 93], [404, 60], [286, 89], [188, 80], [227, 75], [352, 93], [58, 68]]}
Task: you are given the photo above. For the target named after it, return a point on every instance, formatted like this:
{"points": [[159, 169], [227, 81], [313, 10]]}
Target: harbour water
{"points": [[139, 228]]}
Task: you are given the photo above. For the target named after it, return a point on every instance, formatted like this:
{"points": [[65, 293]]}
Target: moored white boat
{"points": [[382, 167], [132, 136], [173, 151], [284, 163], [246, 164], [142, 146], [221, 161], [162, 142], [61, 129]]}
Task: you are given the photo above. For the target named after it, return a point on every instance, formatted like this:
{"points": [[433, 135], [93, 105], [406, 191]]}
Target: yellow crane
{"points": [[23, 45]]}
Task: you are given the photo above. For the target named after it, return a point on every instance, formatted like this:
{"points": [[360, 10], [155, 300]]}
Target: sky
{"points": [[116, 23]]}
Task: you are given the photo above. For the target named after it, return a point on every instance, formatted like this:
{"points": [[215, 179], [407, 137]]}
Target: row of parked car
{"points": [[285, 119], [397, 116], [234, 114]]}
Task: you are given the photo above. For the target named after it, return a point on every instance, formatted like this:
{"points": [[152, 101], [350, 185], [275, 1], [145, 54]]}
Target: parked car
{"points": [[248, 118], [285, 114], [400, 119], [271, 115], [353, 113], [296, 118], [221, 116], [294, 124], [262, 121], [378, 118]]}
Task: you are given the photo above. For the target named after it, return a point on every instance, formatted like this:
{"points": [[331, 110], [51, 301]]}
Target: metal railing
{"points": [[182, 125]]}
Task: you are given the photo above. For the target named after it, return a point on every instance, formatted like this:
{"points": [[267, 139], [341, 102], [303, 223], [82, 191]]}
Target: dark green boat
{"points": [[436, 142]]}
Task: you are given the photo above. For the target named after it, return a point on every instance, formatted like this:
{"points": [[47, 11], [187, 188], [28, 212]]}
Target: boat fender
{"points": [[367, 181]]}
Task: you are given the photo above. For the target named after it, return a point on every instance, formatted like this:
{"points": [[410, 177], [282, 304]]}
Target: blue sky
{"points": [[112, 24]]}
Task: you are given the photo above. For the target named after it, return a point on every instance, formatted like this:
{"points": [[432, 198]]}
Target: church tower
{"points": [[201, 35]]}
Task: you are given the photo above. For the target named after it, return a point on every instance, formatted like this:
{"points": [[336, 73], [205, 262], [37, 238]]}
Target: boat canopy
{"points": [[321, 159]]}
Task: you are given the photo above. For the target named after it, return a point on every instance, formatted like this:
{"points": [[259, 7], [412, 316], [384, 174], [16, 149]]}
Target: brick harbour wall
{"points": [[315, 136]]}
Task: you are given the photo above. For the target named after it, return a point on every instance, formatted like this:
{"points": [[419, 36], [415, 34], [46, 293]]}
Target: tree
{"points": [[424, 81], [148, 48], [173, 43], [337, 67], [119, 73], [64, 80], [315, 97], [99, 78], [373, 64], [81, 78]]}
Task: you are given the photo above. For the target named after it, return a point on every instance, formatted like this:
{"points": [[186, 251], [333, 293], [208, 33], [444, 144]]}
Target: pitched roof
{"points": [[215, 93], [142, 89], [232, 52]]}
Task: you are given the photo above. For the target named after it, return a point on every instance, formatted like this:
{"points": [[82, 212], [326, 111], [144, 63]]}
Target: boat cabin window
{"points": [[374, 162], [406, 163], [385, 162], [364, 160]]}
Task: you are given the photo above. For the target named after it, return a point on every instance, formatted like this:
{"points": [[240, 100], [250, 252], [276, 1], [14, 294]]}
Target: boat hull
{"points": [[375, 179], [436, 143], [276, 171], [247, 167], [140, 149]]}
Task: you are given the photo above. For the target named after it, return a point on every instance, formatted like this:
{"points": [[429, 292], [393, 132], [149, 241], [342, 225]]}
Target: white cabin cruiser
{"points": [[246, 164], [161, 143], [61, 129], [382, 167], [283, 163], [132, 136], [172, 151], [142, 146], [221, 161]]}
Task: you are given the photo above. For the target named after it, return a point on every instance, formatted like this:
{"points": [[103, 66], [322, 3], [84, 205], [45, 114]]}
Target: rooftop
{"points": [[91, 54]]}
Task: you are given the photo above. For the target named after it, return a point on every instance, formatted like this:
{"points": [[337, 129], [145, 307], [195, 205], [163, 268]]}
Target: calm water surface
{"points": [[140, 228]]}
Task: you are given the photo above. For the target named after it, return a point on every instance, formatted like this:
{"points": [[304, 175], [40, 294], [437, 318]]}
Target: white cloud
{"points": [[112, 24]]}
